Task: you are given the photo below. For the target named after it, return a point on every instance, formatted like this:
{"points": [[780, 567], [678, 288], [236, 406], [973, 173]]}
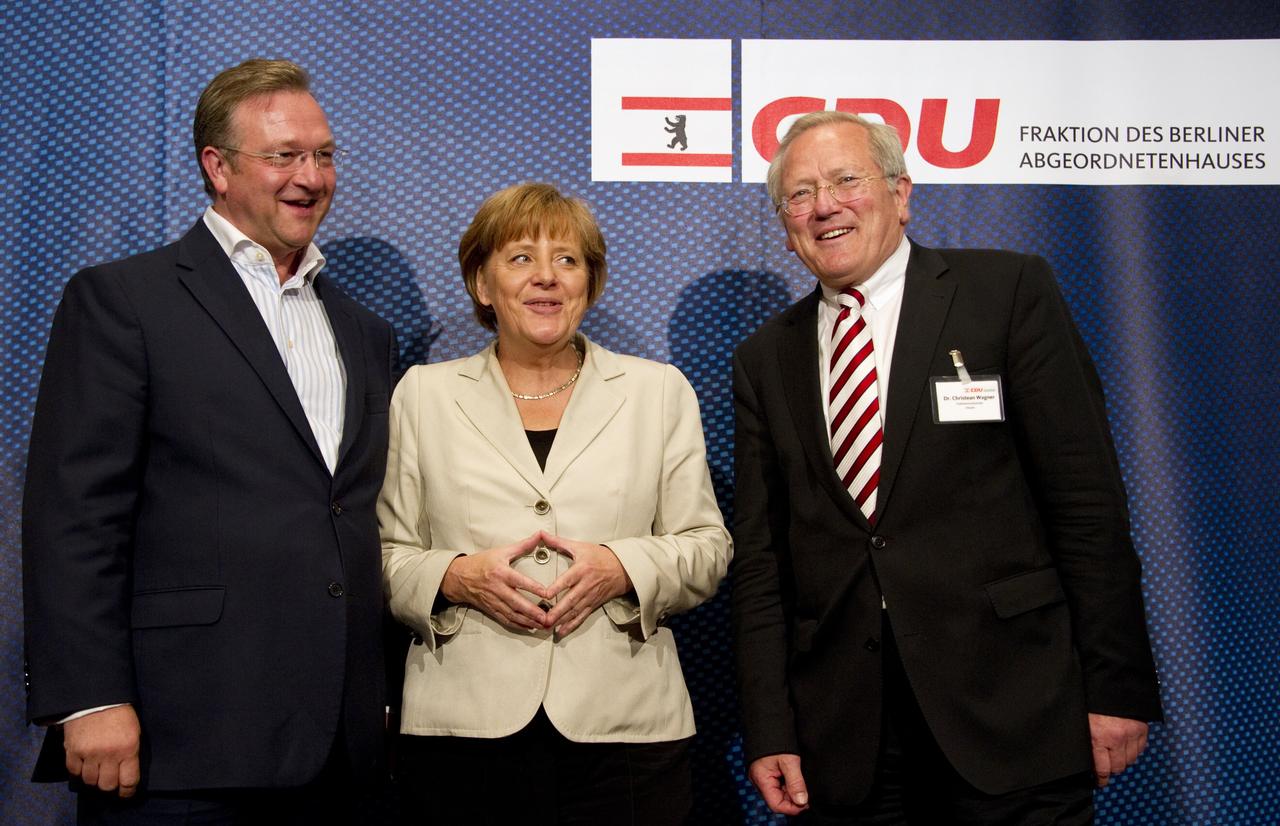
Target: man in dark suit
{"points": [[936, 599], [200, 550]]}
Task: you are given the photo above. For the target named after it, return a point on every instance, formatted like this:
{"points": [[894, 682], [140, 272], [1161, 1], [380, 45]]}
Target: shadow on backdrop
{"points": [[714, 314], [377, 275]]}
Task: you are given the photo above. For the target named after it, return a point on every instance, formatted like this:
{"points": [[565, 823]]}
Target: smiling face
{"points": [[538, 290], [843, 244], [281, 209]]}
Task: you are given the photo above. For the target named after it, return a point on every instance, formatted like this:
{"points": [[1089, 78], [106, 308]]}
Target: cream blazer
{"points": [[627, 469]]}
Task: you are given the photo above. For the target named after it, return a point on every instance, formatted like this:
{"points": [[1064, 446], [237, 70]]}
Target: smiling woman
{"points": [[537, 289], [547, 507]]}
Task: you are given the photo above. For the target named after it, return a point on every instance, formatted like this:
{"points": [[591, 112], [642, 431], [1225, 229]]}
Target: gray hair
{"points": [[886, 148]]}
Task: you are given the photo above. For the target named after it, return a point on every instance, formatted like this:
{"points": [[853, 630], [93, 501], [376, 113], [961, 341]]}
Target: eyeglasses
{"points": [[293, 159], [846, 189]]}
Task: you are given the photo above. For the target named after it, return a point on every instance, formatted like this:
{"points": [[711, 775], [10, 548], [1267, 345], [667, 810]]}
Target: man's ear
{"points": [[902, 192], [217, 166]]}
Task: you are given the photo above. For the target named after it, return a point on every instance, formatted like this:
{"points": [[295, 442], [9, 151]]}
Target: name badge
{"points": [[966, 398]]}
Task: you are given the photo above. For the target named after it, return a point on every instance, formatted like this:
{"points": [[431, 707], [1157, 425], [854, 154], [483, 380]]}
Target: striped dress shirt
{"points": [[298, 324]]}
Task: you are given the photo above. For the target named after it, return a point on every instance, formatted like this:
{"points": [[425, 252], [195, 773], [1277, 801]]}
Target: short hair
{"points": [[886, 147], [216, 108], [529, 210]]}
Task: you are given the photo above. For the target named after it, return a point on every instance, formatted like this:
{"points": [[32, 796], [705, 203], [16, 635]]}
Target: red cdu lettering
{"points": [[933, 113], [764, 129], [889, 111]]}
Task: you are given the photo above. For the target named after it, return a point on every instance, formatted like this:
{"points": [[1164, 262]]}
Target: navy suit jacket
{"points": [[185, 548], [1002, 549]]}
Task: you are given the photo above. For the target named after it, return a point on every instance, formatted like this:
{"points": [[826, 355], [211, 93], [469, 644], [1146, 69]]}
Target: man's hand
{"points": [[102, 749], [1117, 742], [780, 782]]}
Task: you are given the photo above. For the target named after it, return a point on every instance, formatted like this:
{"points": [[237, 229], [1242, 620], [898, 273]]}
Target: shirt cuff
{"points": [[86, 713]]}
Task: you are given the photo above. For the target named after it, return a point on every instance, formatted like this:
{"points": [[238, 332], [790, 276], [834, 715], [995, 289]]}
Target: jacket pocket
{"points": [[1021, 593], [979, 359], [177, 606]]}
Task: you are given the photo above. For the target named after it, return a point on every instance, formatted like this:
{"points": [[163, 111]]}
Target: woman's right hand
{"points": [[486, 580]]}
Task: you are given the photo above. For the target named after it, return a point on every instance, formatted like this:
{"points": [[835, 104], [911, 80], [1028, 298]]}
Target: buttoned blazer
{"points": [[185, 547], [627, 469], [1002, 549]]}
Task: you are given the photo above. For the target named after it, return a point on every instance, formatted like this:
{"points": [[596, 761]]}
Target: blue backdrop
{"points": [[443, 103]]}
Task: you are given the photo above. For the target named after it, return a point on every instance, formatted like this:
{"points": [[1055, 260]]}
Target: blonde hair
{"points": [[529, 210]]}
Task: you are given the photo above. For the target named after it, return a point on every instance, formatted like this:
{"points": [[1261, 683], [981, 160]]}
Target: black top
{"points": [[540, 441]]}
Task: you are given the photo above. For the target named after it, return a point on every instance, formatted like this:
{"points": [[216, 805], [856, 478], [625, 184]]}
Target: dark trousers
{"points": [[539, 777], [332, 798], [915, 785]]}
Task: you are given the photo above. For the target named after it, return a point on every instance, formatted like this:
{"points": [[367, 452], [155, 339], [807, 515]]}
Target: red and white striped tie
{"points": [[854, 403]]}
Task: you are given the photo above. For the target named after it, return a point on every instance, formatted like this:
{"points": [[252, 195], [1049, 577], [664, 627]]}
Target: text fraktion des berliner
{"points": [[1199, 147]]}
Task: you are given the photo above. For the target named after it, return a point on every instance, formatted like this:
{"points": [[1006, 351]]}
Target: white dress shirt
{"points": [[298, 324]]}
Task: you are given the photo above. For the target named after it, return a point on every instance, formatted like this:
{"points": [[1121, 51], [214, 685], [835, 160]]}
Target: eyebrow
{"points": [[293, 145], [849, 170]]}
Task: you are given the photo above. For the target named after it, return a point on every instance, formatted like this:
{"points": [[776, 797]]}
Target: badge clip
{"points": [[958, 360]]}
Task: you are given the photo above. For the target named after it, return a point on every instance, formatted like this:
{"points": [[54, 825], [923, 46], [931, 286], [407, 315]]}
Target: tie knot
{"points": [[852, 298]]}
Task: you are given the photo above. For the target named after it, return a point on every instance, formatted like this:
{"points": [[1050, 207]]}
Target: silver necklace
{"points": [[533, 397]]}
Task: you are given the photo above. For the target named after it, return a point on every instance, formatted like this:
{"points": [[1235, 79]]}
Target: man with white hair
{"points": [[936, 599]]}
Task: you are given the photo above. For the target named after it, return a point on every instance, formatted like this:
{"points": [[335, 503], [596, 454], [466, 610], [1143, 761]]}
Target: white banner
{"points": [[1033, 112], [661, 110]]}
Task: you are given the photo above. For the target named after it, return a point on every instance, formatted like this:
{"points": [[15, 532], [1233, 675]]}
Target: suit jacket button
{"points": [[541, 507], [335, 589], [336, 508], [878, 542], [872, 644]]}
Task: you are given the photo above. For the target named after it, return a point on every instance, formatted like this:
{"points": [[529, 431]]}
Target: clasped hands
{"points": [[486, 580]]}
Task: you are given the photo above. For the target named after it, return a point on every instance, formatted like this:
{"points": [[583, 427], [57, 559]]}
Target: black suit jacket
{"points": [[185, 548], [1002, 549]]}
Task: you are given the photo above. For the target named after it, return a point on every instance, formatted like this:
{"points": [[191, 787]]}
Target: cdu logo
{"points": [[661, 110]]}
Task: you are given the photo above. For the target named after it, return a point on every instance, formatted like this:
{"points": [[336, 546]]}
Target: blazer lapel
{"points": [[207, 273], [798, 364], [925, 302], [593, 404], [488, 405], [350, 341]]}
